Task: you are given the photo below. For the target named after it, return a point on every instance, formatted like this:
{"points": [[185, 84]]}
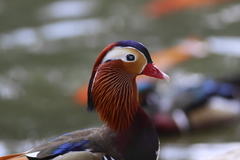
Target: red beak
{"points": [[152, 71]]}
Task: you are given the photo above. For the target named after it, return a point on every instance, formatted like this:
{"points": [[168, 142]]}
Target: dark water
{"points": [[47, 49]]}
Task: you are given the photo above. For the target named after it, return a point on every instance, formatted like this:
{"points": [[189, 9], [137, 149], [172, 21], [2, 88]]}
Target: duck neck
{"points": [[140, 140], [115, 96]]}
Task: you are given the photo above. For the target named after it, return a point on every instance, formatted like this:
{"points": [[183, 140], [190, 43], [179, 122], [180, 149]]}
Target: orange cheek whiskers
{"points": [[111, 101]]}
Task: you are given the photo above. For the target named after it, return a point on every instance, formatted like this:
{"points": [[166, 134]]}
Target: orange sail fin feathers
{"points": [[113, 93]]}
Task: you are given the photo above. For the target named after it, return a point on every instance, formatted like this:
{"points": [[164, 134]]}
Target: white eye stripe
{"points": [[118, 53]]}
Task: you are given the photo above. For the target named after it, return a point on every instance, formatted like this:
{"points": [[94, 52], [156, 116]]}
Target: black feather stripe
{"points": [[107, 157], [137, 45]]}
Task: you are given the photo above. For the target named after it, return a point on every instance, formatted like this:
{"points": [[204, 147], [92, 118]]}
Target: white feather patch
{"points": [[33, 154], [158, 151], [80, 155]]}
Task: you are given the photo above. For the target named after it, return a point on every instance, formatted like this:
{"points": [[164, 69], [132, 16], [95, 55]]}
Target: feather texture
{"points": [[112, 89]]}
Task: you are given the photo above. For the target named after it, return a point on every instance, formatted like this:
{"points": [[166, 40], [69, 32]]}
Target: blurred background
{"points": [[47, 50]]}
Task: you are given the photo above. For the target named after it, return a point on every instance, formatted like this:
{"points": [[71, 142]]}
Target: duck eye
{"points": [[130, 57]]}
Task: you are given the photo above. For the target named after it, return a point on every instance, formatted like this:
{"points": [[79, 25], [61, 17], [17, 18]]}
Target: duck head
{"points": [[112, 89]]}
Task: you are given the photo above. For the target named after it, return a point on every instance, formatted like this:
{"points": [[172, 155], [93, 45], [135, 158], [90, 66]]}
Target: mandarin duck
{"points": [[197, 103], [185, 50], [127, 132]]}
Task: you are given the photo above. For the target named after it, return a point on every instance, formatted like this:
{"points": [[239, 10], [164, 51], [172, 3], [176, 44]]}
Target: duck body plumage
{"points": [[127, 133], [140, 141]]}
